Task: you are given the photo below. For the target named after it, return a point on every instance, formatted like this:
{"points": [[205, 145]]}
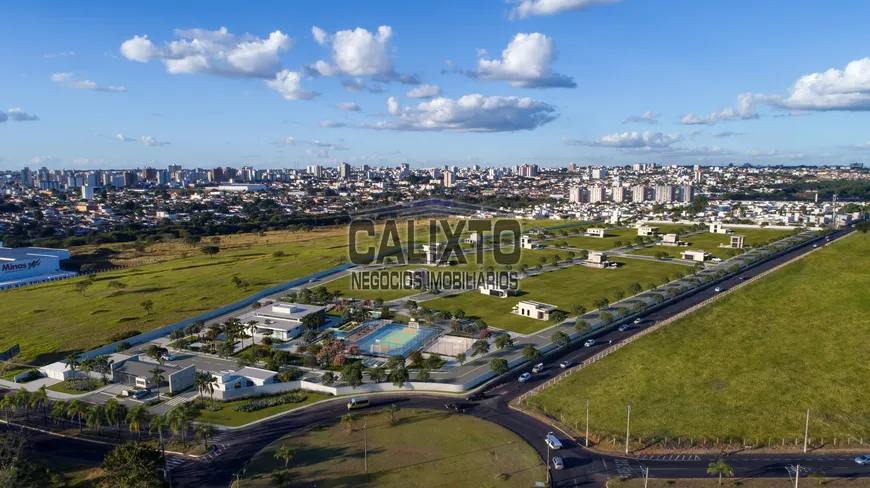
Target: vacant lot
{"points": [[710, 242], [51, 320], [424, 448], [747, 366], [565, 287], [600, 243]]}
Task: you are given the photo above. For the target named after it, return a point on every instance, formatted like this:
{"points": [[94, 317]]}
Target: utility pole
{"points": [[806, 431], [548, 459], [797, 475], [587, 422], [627, 426], [366, 445], [645, 471]]}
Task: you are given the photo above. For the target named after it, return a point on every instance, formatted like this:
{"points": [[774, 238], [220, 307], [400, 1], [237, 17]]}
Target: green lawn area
{"points": [[710, 243], [564, 288], [62, 388], [747, 366], [424, 448], [54, 319], [599, 243], [229, 417]]}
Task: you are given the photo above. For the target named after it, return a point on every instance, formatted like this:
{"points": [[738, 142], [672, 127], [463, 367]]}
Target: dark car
{"points": [[459, 407], [475, 397]]}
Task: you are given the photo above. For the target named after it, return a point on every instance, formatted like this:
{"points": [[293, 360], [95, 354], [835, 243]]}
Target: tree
{"points": [[159, 424], [720, 468], [503, 341], [39, 399], [147, 306], [7, 403], [224, 349], [22, 401], [179, 420], [619, 295], [77, 408], [210, 250], [157, 378], [133, 464], [352, 374], [137, 418], [460, 358], [605, 317], [117, 285], [286, 454], [58, 411], [623, 312], [578, 310], [390, 411], [558, 316], [530, 353], [348, 421], [281, 477], [500, 366], [480, 346], [634, 288], [424, 374], [96, 417], [581, 325], [203, 432], [862, 227], [72, 362], [560, 338], [328, 378], [399, 375], [378, 374], [82, 286]]}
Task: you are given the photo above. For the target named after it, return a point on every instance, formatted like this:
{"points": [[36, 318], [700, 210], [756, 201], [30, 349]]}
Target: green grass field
{"points": [[227, 416], [747, 366], [424, 448], [51, 320], [599, 243], [710, 243], [564, 288]]}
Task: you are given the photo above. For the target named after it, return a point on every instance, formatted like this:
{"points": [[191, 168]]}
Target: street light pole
{"points": [[806, 432], [548, 458], [587, 422], [645, 471], [627, 427], [797, 474], [366, 444]]}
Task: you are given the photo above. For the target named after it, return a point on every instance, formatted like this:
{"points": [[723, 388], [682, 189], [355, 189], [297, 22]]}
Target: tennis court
{"points": [[392, 339]]}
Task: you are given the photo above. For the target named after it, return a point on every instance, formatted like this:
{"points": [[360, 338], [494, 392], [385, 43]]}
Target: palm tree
{"points": [[7, 404], [252, 327], [348, 421], [58, 411], [72, 362], [158, 425], [115, 414], [39, 399], [77, 408], [203, 432], [157, 378], [720, 467], [22, 401], [137, 418], [390, 411], [286, 454], [280, 477], [179, 420], [96, 417]]}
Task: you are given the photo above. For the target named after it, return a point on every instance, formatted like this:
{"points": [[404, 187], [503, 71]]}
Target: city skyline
{"points": [[540, 82]]}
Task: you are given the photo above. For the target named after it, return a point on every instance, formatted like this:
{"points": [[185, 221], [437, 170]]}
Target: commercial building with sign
{"points": [[25, 265]]}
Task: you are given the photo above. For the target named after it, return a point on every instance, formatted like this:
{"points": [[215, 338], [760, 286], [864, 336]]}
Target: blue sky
{"points": [[760, 82]]}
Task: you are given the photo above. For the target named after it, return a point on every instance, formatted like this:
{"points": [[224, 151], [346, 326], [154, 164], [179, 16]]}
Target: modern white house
{"points": [[698, 255], [246, 377], [497, 290], [736, 242], [527, 243], [533, 309], [595, 232], [284, 320], [434, 254], [672, 240], [719, 228], [647, 231], [473, 238]]}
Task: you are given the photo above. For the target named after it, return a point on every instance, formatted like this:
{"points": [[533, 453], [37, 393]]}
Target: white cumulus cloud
{"points": [[123, 138], [320, 35], [393, 106], [847, 90], [525, 62], [744, 110], [470, 113], [634, 140], [348, 106], [201, 51], [289, 85], [359, 52], [424, 91], [644, 118], [67, 79], [528, 8], [152, 142], [331, 124]]}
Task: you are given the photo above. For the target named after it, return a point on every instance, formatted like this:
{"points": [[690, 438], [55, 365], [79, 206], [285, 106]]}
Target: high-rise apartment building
{"points": [[344, 171], [599, 173], [664, 193], [687, 193], [639, 193], [449, 179], [597, 194], [576, 195], [620, 194]]}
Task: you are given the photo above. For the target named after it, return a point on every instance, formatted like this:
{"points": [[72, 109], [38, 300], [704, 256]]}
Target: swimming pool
{"points": [[392, 339]]}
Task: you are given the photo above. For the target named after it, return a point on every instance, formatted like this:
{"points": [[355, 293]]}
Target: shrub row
{"points": [[295, 396]]}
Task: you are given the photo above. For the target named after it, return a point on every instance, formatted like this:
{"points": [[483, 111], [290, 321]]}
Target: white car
{"points": [[623, 327], [558, 463], [862, 460], [716, 260], [815, 245], [717, 289], [589, 343], [638, 320], [168, 357], [525, 377], [565, 364], [538, 368]]}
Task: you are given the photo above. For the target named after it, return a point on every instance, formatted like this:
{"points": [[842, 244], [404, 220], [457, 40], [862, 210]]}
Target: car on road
{"points": [[638, 320], [474, 397], [128, 393], [742, 278], [525, 377], [552, 441], [863, 460], [168, 357], [566, 364], [623, 327], [538, 368], [589, 343], [717, 289], [313, 280], [815, 245], [558, 463], [140, 394], [716, 260], [459, 407]]}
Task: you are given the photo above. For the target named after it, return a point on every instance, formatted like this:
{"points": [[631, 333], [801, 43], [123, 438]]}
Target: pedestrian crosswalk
{"points": [[173, 462], [178, 400], [670, 457]]}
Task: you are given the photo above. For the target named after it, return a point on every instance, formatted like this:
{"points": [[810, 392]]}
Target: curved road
{"points": [[582, 467]]}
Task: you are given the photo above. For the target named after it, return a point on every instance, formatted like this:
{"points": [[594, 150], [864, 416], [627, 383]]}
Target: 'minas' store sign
{"points": [[20, 266]]}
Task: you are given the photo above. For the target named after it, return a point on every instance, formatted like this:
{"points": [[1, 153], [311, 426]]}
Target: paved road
{"points": [[581, 466]]}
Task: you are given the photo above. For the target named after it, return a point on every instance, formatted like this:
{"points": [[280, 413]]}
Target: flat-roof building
{"points": [[698, 255], [285, 321], [25, 265], [533, 309]]}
